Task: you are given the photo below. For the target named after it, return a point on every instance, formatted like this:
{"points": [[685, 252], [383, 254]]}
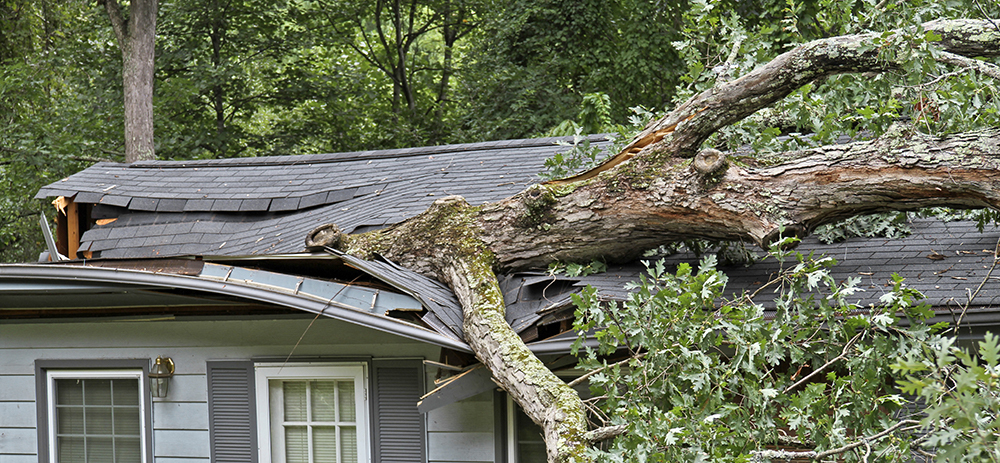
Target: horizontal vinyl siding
{"points": [[462, 432], [17, 418], [180, 421]]}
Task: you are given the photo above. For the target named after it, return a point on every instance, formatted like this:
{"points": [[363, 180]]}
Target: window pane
{"points": [[295, 400], [128, 450], [126, 421], [323, 400], [97, 391], [125, 391], [349, 442], [347, 412], [324, 445], [100, 450], [70, 448], [69, 420], [296, 444], [69, 391], [98, 420]]}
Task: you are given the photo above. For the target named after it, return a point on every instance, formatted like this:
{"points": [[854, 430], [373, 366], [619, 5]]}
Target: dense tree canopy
{"points": [[247, 78]]}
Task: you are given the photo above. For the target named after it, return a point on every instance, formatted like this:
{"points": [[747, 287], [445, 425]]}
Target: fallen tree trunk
{"points": [[661, 188]]}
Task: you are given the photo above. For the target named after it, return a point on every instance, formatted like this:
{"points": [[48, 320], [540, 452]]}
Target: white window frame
{"points": [[264, 373], [50, 380]]}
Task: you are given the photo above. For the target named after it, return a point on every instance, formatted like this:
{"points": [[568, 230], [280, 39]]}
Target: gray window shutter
{"points": [[232, 412], [398, 428]]}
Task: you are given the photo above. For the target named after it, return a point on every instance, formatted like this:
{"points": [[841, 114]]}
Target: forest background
{"points": [[236, 78]]}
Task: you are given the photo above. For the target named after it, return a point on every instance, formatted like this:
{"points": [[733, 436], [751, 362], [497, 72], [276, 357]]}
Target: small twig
{"points": [[965, 308], [820, 369], [590, 373], [814, 455], [605, 433]]}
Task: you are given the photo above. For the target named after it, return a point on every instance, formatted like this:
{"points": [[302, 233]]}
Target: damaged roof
{"points": [[952, 264], [254, 206], [261, 208]]}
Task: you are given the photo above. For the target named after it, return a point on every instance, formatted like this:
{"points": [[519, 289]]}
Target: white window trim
{"points": [[265, 372], [50, 381], [511, 430]]}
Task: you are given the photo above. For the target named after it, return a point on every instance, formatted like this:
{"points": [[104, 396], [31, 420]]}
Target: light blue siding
{"points": [[174, 443], [180, 416], [18, 414], [17, 441], [460, 447], [180, 421], [462, 431]]}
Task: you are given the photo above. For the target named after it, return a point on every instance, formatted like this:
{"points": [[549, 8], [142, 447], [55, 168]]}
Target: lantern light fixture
{"points": [[159, 376]]}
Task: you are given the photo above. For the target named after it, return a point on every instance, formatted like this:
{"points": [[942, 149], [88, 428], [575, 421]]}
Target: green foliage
{"points": [[960, 390], [577, 270], [696, 377], [532, 63], [60, 99], [887, 224], [580, 156], [934, 97]]}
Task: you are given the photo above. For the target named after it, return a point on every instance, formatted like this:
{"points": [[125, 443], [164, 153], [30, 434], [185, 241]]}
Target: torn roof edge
{"points": [[235, 288]]}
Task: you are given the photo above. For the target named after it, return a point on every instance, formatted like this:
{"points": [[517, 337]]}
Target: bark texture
{"points": [[137, 39], [661, 188], [446, 242]]}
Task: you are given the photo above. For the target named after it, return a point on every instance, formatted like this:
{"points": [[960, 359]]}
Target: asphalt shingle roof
{"points": [[248, 206], [947, 283]]}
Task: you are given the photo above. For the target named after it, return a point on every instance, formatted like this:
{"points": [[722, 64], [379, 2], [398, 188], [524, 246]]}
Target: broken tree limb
{"points": [[445, 242], [651, 194], [701, 116], [621, 213]]}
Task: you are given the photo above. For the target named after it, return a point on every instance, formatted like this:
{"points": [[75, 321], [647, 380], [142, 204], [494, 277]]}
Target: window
{"points": [[312, 413], [93, 415], [525, 443]]}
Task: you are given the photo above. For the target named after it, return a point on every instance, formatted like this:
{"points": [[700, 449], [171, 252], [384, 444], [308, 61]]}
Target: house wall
{"points": [[463, 432], [180, 421]]}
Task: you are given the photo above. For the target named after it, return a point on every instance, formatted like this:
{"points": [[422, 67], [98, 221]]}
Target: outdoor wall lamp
{"points": [[159, 376]]}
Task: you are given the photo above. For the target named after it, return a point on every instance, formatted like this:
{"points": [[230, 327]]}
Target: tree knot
{"points": [[709, 161], [327, 235], [450, 201]]}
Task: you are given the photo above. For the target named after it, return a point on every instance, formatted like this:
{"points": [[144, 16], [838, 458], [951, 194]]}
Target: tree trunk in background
{"points": [[137, 39]]}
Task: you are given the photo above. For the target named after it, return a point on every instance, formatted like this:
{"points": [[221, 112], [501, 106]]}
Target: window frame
{"points": [[264, 373], [47, 371]]}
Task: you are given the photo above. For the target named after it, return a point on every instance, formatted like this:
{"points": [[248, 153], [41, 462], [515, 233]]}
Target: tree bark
{"points": [[136, 38], [661, 188]]}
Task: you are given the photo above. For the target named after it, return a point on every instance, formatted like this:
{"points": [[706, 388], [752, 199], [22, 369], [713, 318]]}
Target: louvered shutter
{"points": [[398, 427], [232, 414]]}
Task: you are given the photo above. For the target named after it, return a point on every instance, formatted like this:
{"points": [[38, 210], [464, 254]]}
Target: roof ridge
{"points": [[358, 155]]}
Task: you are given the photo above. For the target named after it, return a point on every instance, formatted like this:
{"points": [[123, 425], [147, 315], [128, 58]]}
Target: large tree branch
{"points": [[904, 425], [681, 132], [445, 242], [981, 67], [654, 192], [118, 22], [653, 200]]}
